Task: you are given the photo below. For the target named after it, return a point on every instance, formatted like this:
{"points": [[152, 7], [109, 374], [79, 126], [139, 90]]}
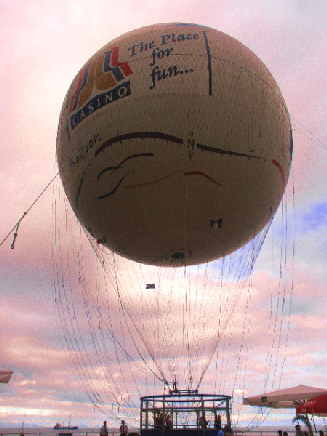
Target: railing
{"points": [[241, 432], [56, 433], [237, 432]]}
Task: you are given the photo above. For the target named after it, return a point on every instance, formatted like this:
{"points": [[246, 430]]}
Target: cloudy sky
{"points": [[277, 336]]}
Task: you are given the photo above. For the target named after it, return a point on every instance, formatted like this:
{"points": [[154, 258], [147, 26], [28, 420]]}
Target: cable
{"points": [[15, 227]]}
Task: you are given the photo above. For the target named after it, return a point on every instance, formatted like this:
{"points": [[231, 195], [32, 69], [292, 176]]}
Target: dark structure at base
{"points": [[185, 413], [180, 432]]}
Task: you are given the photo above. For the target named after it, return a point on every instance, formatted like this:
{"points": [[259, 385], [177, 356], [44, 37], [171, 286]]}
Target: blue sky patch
{"points": [[316, 217]]}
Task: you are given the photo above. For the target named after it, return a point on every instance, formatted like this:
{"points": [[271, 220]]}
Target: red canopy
{"points": [[316, 406], [5, 376], [285, 398]]}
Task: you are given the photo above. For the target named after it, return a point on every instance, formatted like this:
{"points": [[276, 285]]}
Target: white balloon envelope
{"points": [[174, 145]]}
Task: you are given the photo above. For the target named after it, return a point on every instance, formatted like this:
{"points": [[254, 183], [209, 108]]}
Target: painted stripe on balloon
{"points": [[280, 169], [138, 135], [206, 43], [153, 182], [170, 138], [118, 166], [101, 197], [160, 179], [79, 190], [228, 152], [200, 173], [164, 137]]}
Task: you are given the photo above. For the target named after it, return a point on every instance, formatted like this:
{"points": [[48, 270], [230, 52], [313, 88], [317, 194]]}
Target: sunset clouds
{"points": [[276, 333]]}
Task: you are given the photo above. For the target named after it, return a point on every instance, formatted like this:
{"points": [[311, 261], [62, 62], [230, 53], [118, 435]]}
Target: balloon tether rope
{"points": [[15, 227]]}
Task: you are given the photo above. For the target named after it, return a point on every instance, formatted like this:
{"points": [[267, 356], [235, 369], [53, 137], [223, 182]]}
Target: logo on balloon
{"points": [[104, 73]]}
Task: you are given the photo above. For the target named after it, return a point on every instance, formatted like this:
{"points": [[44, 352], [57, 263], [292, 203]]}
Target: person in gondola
{"points": [[203, 423], [217, 424], [227, 430], [162, 420], [104, 429], [159, 420], [123, 428], [169, 422], [156, 423]]}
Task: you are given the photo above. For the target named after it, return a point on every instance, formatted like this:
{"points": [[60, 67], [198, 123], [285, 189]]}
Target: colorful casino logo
{"points": [[103, 73]]}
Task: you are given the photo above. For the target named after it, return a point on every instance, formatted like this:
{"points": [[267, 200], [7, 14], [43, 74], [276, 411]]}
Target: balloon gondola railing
{"points": [[186, 412]]}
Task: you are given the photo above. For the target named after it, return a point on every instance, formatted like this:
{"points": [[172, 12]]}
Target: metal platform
{"points": [[184, 412]]}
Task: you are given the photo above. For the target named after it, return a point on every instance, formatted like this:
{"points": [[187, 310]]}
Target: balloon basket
{"points": [[185, 412]]}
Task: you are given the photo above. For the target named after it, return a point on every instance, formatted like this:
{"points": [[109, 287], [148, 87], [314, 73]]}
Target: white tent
{"points": [[285, 398], [5, 376]]}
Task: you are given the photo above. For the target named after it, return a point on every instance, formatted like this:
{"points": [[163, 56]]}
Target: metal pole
{"points": [[141, 415], [146, 415], [228, 413]]}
